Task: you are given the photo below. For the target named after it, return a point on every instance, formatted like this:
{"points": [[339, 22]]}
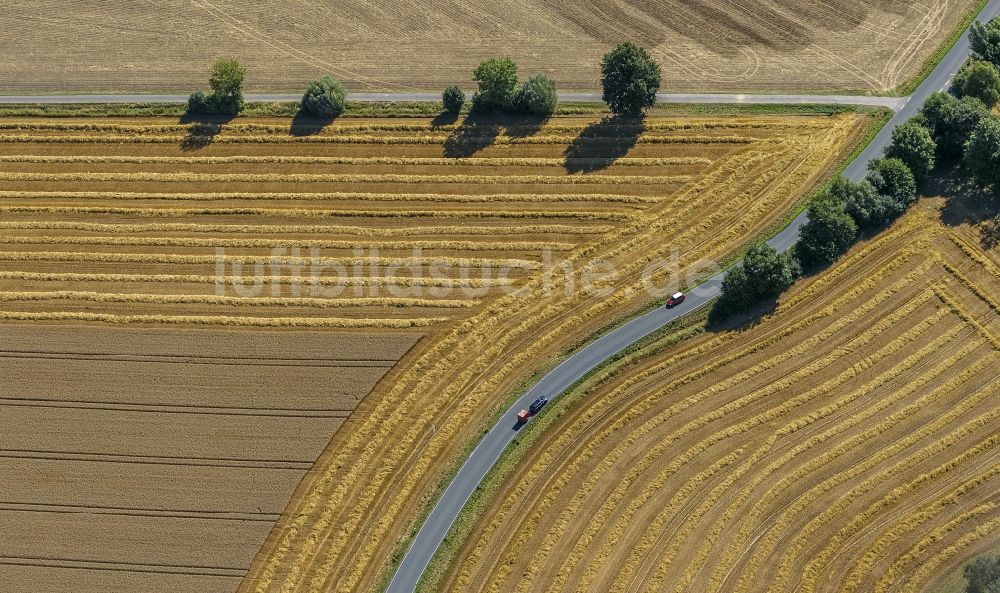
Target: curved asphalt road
{"points": [[441, 518], [894, 103]]}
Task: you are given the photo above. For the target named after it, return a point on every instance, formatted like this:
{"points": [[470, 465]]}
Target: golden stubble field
{"points": [[847, 443], [767, 45], [361, 236]]}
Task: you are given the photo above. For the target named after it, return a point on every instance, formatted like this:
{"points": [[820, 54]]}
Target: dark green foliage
{"points": [[227, 77], [982, 575], [982, 156], [828, 233], [912, 144], [891, 177], [537, 96], [453, 98], [869, 208], [951, 121], [985, 38], [198, 104], [227, 87], [630, 79], [764, 274], [979, 79], [770, 272], [497, 80], [226, 97], [864, 203], [324, 97]]}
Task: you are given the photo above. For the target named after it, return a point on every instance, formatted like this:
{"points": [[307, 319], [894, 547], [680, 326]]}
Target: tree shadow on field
{"points": [[602, 143], [526, 125], [203, 129], [721, 322], [475, 133], [444, 118], [967, 203], [304, 124]]}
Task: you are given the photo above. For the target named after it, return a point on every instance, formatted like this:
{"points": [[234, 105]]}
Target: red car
{"points": [[675, 299]]}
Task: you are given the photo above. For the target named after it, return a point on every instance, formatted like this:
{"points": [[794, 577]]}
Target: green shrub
{"points": [[982, 156], [891, 177], [951, 121], [829, 232], [199, 104], [227, 87], [497, 80], [763, 274], [324, 97], [865, 204], [226, 97], [453, 98], [630, 79], [979, 79], [537, 96], [982, 575], [985, 40], [912, 144]]}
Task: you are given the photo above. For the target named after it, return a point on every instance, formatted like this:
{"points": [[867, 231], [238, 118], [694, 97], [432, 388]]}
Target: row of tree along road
{"points": [[629, 77], [955, 128]]}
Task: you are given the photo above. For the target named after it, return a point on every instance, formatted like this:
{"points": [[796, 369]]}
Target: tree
{"points": [[199, 104], [453, 98], [324, 97], [497, 80], [764, 274], [981, 80], [737, 294], [537, 96], [985, 39], [227, 87], [891, 177], [982, 575], [828, 233], [226, 97], [630, 79], [864, 203], [982, 156], [951, 121], [869, 208], [770, 272], [912, 144]]}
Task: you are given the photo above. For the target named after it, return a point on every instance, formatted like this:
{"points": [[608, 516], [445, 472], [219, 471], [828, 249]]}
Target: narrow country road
{"points": [[894, 103], [486, 453]]}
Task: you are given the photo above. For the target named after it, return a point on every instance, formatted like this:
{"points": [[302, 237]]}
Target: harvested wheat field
{"points": [[159, 460], [456, 234], [846, 443], [714, 45]]}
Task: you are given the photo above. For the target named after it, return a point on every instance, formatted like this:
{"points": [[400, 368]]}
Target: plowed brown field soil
{"points": [[146, 223], [716, 45], [158, 460], [848, 442]]}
